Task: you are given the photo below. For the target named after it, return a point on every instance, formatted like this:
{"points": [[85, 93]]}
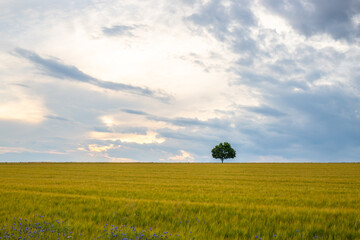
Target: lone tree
{"points": [[223, 151]]}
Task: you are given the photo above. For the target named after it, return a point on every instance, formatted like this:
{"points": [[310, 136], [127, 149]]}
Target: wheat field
{"points": [[180, 201]]}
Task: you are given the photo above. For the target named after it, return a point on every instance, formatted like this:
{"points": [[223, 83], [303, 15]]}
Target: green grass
{"points": [[219, 201]]}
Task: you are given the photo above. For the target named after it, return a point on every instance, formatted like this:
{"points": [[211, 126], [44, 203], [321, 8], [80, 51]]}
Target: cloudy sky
{"points": [[165, 81]]}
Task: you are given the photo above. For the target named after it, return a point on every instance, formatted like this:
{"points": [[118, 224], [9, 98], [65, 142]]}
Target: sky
{"points": [[166, 81]]}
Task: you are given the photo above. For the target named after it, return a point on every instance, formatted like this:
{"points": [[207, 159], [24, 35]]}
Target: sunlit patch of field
{"points": [[201, 201]]}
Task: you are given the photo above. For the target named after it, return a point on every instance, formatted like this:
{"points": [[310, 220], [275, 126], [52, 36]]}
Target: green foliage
{"points": [[223, 151], [236, 201]]}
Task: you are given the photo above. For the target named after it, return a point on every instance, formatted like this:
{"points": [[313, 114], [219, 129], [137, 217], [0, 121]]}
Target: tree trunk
{"points": [[222, 160]]}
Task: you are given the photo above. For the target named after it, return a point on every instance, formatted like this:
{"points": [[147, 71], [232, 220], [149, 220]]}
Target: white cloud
{"points": [[18, 105], [4, 150], [149, 137], [99, 148], [100, 152], [183, 157], [119, 159]]}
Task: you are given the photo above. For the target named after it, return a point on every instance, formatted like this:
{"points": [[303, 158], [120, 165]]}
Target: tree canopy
{"points": [[223, 151]]}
